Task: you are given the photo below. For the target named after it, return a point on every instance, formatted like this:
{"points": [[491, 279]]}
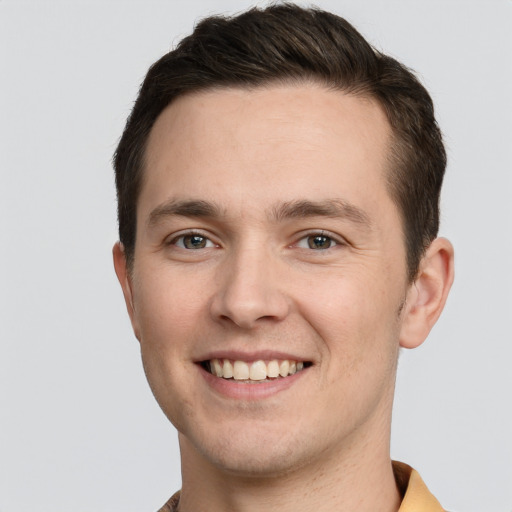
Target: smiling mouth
{"points": [[256, 371]]}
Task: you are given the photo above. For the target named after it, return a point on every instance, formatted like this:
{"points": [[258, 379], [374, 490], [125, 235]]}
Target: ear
{"points": [[123, 275], [427, 295]]}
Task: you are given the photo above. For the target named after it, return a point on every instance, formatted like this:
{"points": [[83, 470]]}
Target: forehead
{"points": [[278, 143]]}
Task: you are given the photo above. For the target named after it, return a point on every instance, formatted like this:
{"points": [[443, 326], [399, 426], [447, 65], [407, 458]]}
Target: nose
{"points": [[250, 289]]}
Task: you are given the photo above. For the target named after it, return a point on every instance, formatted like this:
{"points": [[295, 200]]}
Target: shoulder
{"points": [[172, 504]]}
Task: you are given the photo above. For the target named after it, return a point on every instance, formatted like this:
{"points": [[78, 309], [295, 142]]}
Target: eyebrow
{"points": [[302, 208], [185, 208], [335, 208]]}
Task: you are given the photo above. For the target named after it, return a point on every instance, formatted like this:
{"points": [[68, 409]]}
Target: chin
{"points": [[258, 463], [251, 455]]}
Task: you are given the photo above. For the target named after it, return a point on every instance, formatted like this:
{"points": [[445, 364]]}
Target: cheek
{"points": [[168, 306], [169, 312], [356, 316], [358, 340], [342, 301]]}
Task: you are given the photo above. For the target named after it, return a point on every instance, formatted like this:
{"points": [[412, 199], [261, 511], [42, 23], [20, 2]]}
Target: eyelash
{"points": [[333, 240]]}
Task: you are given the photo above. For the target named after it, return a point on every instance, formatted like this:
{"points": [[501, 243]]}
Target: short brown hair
{"points": [[288, 43]]}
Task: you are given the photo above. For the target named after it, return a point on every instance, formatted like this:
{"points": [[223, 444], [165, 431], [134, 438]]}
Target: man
{"points": [[278, 184]]}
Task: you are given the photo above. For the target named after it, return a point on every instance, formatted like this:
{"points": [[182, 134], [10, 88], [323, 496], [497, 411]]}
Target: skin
{"points": [[255, 287]]}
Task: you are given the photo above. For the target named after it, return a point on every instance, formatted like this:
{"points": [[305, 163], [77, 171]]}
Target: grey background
{"points": [[79, 429]]}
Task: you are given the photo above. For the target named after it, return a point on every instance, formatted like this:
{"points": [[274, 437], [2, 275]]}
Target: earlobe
{"points": [[427, 295], [123, 275]]}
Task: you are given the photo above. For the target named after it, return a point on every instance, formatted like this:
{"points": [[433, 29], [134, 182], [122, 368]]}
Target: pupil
{"points": [[319, 242], [195, 242]]}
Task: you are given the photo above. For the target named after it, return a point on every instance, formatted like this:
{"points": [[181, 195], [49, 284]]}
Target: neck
{"points": [[339, 481]]}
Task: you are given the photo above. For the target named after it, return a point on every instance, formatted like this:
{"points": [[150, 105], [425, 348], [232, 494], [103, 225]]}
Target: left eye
{"points": [[316, 242], [193, 241]]}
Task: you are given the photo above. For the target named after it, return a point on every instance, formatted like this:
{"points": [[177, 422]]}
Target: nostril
{"points": [[247, 301]]}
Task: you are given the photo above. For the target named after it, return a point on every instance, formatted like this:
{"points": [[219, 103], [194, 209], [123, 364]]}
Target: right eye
{"points": [[193, 241]]}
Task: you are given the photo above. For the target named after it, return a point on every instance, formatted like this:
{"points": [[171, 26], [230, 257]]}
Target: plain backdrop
{"points": [[79, 429]]}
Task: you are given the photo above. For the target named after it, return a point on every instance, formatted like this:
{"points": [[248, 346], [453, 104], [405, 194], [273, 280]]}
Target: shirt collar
{"points": [[416, 496]]}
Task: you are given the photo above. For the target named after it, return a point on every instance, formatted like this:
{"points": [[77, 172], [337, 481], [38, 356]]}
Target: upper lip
{"points": [[250, 356]]}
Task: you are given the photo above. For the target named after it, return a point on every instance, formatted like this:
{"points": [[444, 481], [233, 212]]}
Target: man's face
{"points": [[266, 234]]}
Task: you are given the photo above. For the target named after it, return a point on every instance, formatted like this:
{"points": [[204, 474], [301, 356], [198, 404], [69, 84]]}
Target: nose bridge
{"points": [[249, 287]]}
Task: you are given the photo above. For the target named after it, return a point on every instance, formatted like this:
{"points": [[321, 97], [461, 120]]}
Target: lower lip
{"points": [[254, 391]]}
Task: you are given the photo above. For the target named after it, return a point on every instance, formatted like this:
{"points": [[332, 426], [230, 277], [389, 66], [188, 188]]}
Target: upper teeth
{"points": [[257, 370]]}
